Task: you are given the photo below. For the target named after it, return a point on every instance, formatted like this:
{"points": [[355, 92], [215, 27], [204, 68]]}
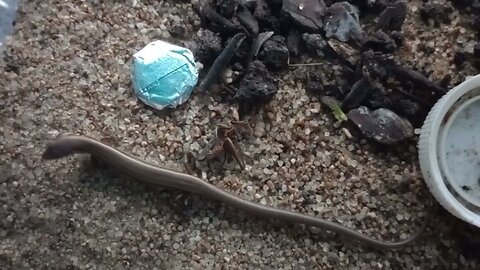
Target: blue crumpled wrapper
{"points": [[164, 74]]}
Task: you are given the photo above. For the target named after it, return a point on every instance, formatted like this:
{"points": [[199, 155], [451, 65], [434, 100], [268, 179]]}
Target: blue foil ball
{"points": [[164, 74]]}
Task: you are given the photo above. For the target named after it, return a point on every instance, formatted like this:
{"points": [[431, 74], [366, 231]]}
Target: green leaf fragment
{"points": [[332, 103]]}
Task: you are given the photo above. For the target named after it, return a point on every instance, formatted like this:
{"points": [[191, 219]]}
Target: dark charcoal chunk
{"points": [[342, 22], [314, 43], [177, 30], [257, 86], [363, 5], [221, 62], [258, 43], [393, 16], [445, 82], [305, 13], [237, 67], [381, 42], [217, 22], [407, 107], [350, 75], [227, 7], [314, 87], [374, 64], [436, 12], [334, 91], [459, 58], [407, 75], [293, 41], [347, 53], [263, 14], [476, 51], [10, 66], [275, 3], [246, 18], [397, 37], [381, 125], [275, 53], [209, 46], [358, 93], [250, 4], [376, 100]]}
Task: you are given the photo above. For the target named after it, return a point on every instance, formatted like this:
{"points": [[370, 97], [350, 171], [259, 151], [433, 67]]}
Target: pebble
{"points": [[10, 218], [270, 185]]}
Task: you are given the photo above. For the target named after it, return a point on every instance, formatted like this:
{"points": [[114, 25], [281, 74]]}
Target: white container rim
{"points": [[429, 151]]}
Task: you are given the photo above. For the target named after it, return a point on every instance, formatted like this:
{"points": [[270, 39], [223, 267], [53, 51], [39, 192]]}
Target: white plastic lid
{"points": [[449, 151]]}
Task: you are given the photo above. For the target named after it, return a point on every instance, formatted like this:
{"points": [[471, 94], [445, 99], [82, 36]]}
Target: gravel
{"points": [[73, 77]]}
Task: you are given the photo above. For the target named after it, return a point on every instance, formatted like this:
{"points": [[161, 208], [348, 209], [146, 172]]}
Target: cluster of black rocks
{"points": [[382, 97]]}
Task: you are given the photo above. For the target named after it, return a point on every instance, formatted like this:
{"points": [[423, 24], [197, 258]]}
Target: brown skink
{"points": [[70, 144]]}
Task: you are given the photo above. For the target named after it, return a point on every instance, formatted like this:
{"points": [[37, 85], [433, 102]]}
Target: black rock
{"points": [[11, 65], [381, 125], [263, 14], [374, 64], [258, 43], [247, 20], [376, 100], [220, 63], [209, 46], [314, 87], [350, 75], [436, 12], [227, 7], [293, 41], [216, 22], [397, 37], [357, 94], [274, 53], [250, 4], [257, 86], [334, 91], [237, 67], [459, 58], [381, 42], [407, 107], [476, 51], [177, 30], [307, 14], [406, 75], [275, 5], [346, 52], [363, 5], [446, 80], [393, 16], [314, 43], [342, 22]]}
